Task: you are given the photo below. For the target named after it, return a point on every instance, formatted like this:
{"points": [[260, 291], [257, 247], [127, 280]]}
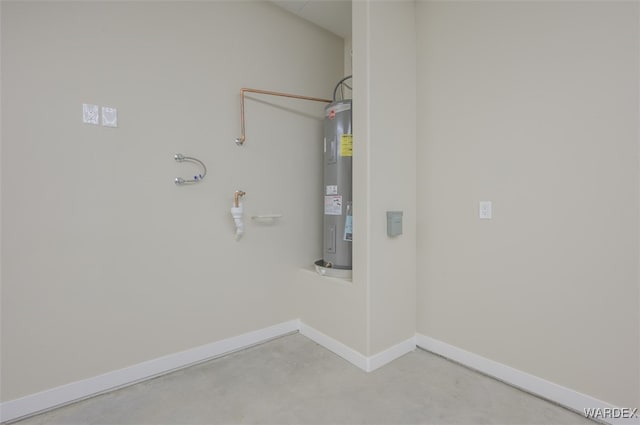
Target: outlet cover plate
{"points": [[485, 210], [109, 116]]}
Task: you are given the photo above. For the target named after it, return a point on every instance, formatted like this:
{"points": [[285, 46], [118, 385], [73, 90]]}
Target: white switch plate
{"points": [[109, 116], [90, 114], [485, 209]]}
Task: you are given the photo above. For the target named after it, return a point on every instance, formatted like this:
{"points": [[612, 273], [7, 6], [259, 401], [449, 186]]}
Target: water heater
{"points": [[338, 210]]}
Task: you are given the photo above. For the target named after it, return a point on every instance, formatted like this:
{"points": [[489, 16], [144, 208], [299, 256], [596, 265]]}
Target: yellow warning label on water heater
{"points": [[346, 145]]}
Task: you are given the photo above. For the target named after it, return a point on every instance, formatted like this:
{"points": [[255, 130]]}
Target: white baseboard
{"points": [[65, 394], [336, 346], [390, 354], [75, 391], [368, 364], [556, 393], [79, 390]]}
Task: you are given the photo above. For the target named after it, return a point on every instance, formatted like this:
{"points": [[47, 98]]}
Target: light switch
{"points": [[485, 210], [90, 114]]}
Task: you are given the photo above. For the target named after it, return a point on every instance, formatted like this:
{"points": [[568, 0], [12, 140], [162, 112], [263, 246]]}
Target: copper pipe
{"points": [[236, 197], [240, 140]]}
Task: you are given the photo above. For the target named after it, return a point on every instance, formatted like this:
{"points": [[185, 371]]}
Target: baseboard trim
{"points": [[331, 344], [65, 394], [368, 364], [563, 396], [390, 354]]}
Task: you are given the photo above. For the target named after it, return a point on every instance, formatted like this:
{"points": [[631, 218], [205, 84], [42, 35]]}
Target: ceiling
{"points": [[332, 15]]}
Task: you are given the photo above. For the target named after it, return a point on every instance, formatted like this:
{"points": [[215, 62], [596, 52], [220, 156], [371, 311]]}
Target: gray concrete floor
{"points": [[292, 380]]}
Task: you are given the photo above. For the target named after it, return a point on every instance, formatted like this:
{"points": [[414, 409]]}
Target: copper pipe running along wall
{"points": [[240, 140]]}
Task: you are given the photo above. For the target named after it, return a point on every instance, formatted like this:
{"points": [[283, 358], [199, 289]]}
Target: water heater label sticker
{"points": [[332, 190], [346, 145], [333, 205]]}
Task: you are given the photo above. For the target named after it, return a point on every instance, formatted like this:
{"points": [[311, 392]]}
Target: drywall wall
{"points": [[385, 58], [334, 307], [1, 243], [106, 263], [534, 106], [348, 53], [377, 309]]}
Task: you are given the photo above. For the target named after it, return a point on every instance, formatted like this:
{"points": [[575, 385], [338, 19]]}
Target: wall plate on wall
{"points": [[90, 114], [109, 116], [394, 223], [485, 210]]}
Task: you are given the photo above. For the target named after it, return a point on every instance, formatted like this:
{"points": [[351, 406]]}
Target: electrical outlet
{"points": [[485, 210], [109, 116]]}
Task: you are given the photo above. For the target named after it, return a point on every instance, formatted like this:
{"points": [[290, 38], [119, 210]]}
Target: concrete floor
{"points": [[292, 380]]}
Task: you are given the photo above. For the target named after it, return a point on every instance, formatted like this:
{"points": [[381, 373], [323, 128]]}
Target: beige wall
{"points": [[106, 263], [377, 309], [1, 240], [534, 106], [385, 65], [348, 53]]}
